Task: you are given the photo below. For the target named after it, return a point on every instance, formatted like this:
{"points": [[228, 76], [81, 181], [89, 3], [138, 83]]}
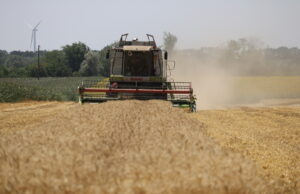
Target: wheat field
{"points": [[117, 147], [269, 136]]}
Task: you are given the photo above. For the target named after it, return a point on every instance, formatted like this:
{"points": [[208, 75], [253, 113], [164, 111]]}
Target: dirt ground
{"points": [[147, 147]]}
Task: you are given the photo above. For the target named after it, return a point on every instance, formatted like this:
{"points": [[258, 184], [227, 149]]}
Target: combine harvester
{"points": [[138, 71]]}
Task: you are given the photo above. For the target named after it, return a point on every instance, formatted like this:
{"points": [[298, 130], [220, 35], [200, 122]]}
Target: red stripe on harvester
{"points": [[153, 91], [136, 79]]}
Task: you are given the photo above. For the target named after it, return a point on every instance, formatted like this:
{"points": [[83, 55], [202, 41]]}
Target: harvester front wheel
{"points": [[193, 107]]}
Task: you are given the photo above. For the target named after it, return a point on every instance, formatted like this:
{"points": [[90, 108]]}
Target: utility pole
{"points": [[38, 64]]}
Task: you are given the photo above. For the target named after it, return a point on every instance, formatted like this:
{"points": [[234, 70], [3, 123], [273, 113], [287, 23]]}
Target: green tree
{"points": [[55, 64], [15, 61], [17, 72], [170, 41], [33, 71], [15, 66], [26, 53], [75, 55], [3, 55], [103, 61], [89, 65], [3, 71]]}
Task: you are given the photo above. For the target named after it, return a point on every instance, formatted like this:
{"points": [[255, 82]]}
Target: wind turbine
{"points": [[33, 35]]}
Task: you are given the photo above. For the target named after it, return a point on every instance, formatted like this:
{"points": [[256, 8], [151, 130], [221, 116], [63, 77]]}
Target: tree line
{"points": [[76, 59], [243, 57]]}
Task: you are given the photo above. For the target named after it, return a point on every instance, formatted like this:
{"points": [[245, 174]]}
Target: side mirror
{"points": [[166, 55], [107, 55]]}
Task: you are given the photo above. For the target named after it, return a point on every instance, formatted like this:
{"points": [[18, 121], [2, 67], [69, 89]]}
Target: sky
{"points": [[196, 23]]}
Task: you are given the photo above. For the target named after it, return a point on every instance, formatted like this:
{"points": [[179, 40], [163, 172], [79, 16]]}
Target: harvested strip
{"points": [[121, 147]]}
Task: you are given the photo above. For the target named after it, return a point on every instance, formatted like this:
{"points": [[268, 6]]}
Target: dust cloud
{"points": [[239, 72], [219, 83], [212, 84]]}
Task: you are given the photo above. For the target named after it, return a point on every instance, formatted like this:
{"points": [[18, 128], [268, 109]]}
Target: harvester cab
{"points": [[138, 70]]}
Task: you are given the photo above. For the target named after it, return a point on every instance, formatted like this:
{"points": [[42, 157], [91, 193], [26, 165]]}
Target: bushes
{"points": [[13, 92], [60, 89]]}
